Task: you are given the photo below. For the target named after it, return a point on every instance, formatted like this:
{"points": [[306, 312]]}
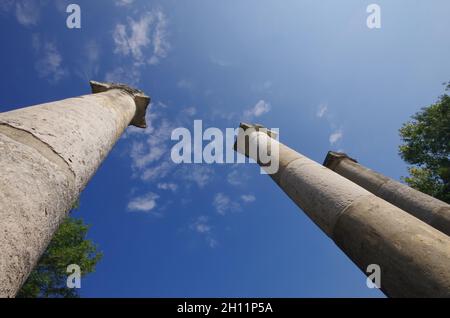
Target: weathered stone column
{"points": [[414, 257], [48, 153], [421, 205]]}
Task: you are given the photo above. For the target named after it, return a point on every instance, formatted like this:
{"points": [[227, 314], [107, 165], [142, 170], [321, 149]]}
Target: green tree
{"points": [[68, 246], [426, 146]]}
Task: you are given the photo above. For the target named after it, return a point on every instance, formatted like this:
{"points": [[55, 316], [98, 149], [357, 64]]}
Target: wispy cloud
{"points": [[135, 42], [199, 174], [154, 147], [234, 178], [141, 41], [122, 3], [260, 108], [145, 203], [27, 12], [248, 198], [322, 110], [168, 186], [202, 226], [129, 75], [49, 60], [160, 43], [237, 177], [150, 149], [223, 204], [336, 136], [190, 111], [249, 114], [144, 39], [155, 172]]}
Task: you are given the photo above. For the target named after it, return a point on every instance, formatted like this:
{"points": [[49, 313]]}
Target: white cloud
{"points": [[223, 204], [202, 227], [150, 148], [143, 155], [321, 110], [211, 242], [144, 203], [156, 145], [336, 136], [258, 110], [150, 151], [237, 177], [144, 39], [168, 186], [122, 3], [190, 111], [133, 44], [160, 43], [49, 62], [201, 175], [129, 75], [248, 198], [28, 12], [159, 171], [234, 178]]}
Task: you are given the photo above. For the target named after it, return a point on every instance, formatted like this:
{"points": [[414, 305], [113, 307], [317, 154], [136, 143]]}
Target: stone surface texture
{"points": [[413, 256], [48, 153], [426, 208]]}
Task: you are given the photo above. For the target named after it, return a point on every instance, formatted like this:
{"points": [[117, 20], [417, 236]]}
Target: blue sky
{"points": [[310, 68]]}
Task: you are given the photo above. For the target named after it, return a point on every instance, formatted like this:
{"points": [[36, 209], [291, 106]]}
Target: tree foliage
{"points": [[426, 146], [68, 246]]}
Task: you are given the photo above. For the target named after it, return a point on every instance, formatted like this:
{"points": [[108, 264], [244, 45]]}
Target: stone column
{"points": [[48, 153], [421, 205], [414, 257]]}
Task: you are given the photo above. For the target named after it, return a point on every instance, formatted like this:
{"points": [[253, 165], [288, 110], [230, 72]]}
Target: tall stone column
{"points": [[421, 205], [48, 153], [414, 257]]}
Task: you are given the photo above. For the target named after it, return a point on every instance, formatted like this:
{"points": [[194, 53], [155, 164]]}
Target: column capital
{"points": [[140, 98], [254, 128], [333, 158], [258, 127]]}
